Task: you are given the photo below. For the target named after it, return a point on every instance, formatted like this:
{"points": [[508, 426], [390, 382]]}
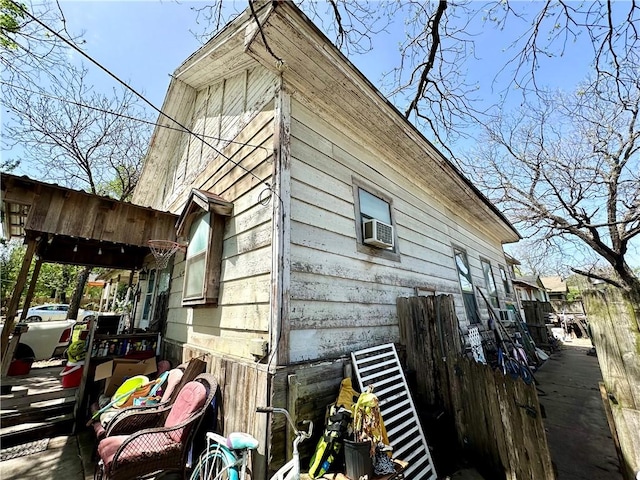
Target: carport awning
{"points": [[75, 227]]}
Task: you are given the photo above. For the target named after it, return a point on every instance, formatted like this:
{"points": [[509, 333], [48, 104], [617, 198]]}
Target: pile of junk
{"points": [[354, 436]]}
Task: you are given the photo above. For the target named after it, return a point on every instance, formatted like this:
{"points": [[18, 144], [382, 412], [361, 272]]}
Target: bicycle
{"points": [[227, 458]]}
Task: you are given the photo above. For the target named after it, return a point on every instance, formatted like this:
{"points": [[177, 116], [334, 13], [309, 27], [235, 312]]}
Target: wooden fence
{"points": [[536, 314], [616, 336], [498, 419]]}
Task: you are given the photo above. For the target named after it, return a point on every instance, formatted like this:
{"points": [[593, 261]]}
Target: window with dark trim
{"points": [[506, 282], [202, 223], [466, 285], [490, 282]]}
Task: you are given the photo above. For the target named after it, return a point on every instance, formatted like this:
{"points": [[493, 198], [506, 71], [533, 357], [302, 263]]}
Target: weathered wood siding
{"points": [[243, 386], [342, 299], [236, 117]]}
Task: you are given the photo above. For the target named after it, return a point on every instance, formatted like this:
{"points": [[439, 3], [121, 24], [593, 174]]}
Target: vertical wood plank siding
{"points": [[236, 115], [342, 299]]}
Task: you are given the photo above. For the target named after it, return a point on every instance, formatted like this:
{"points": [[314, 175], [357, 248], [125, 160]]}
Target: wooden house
{"points": [[309, 205], [556, 287]]}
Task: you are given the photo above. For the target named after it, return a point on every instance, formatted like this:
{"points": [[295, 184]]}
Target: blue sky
{"points": [[144, 41]]}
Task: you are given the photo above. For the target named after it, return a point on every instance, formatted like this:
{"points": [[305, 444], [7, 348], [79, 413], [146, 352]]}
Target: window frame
{"points": [[506, 280], [202, 255], [393, 253], [200, 204], [489, 278], [473, 316]]}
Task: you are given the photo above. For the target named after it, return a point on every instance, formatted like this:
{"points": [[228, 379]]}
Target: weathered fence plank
{"points": [[498, 418], [616, 336]]}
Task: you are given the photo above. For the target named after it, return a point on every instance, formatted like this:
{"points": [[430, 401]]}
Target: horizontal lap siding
{"points": [[342, 299], [240, 175]]}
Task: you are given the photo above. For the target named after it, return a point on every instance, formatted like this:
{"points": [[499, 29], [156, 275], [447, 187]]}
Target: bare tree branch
{"points": [[597, 276]]}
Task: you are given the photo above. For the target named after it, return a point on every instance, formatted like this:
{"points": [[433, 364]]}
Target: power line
{"points": [[139, 95], [122, 115]]}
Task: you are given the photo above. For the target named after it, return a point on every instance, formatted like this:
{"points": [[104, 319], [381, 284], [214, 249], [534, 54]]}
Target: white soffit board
{"points": [[379, 366]]}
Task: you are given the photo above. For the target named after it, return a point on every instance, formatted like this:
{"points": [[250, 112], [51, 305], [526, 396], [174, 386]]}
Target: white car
{"points": [[49, 331], [45, 340], [54, 311]]}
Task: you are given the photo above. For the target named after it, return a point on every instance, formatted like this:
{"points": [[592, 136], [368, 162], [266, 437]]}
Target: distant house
{"points": [[531, 289], [556, 288], [536, 308], [309, 205]]}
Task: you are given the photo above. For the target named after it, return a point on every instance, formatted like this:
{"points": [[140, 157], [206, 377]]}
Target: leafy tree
{"points": [[55, 282], [11, 17], [11, 255]]}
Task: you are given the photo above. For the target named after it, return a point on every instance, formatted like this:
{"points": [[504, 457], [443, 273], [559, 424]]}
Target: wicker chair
{"points": [[178, 377], [148, 440]]}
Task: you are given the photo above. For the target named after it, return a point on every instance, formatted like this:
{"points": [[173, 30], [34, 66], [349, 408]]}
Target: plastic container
{"points": [[72, 374], [19, 367], [358, 460]]}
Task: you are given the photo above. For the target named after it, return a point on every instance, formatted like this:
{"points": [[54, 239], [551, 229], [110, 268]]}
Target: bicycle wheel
{"points": [[215, 465]]}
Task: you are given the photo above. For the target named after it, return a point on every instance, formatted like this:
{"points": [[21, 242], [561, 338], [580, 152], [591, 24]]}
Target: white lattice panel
{"points": [[379, 366], [475, 340]]}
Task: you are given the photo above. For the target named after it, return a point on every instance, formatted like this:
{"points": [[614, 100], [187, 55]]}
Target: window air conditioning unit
{"points": [[377, 233]]}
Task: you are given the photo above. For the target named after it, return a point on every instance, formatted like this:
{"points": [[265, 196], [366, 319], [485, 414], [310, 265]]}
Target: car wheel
{"points": [[24, 352], [33, 318]]}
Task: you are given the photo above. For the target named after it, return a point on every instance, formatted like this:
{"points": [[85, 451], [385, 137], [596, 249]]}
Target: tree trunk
{"points": [[81, 281]]}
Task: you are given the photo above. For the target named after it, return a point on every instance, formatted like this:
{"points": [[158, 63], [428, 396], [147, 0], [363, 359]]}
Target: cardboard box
{"points": [[116, 371]]}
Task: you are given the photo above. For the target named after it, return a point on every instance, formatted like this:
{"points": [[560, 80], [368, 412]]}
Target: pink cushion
{"points": [[190, 399], [175, 376], [107, 447], [144, 446], [163, 366]]}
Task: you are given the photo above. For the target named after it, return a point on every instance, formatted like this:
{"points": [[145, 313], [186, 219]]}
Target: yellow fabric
{"points": [[128, 386], [347, 396], [367, 421]]}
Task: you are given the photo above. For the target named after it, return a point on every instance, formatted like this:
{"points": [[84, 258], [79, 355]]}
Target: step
{"points": [[11, 419], [31, 431]]}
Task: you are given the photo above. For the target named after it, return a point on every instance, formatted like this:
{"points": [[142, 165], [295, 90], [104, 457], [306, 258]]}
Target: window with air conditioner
{"points": [[375, 216]]}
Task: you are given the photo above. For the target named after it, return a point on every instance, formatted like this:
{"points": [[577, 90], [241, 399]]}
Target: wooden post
{"points": [[31, 289], [281, 231], [13, 303]]}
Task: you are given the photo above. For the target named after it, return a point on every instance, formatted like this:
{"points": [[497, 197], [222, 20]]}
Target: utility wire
{"points": [[122, 115], [139, 95]]}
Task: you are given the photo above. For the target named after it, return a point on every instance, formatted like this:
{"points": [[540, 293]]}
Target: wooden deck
{"points": [[37, 406]]}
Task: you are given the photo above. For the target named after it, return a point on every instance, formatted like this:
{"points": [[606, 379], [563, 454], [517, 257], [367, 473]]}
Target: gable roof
{"points": [[529, 280], [554, 284], [316, 72]]}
